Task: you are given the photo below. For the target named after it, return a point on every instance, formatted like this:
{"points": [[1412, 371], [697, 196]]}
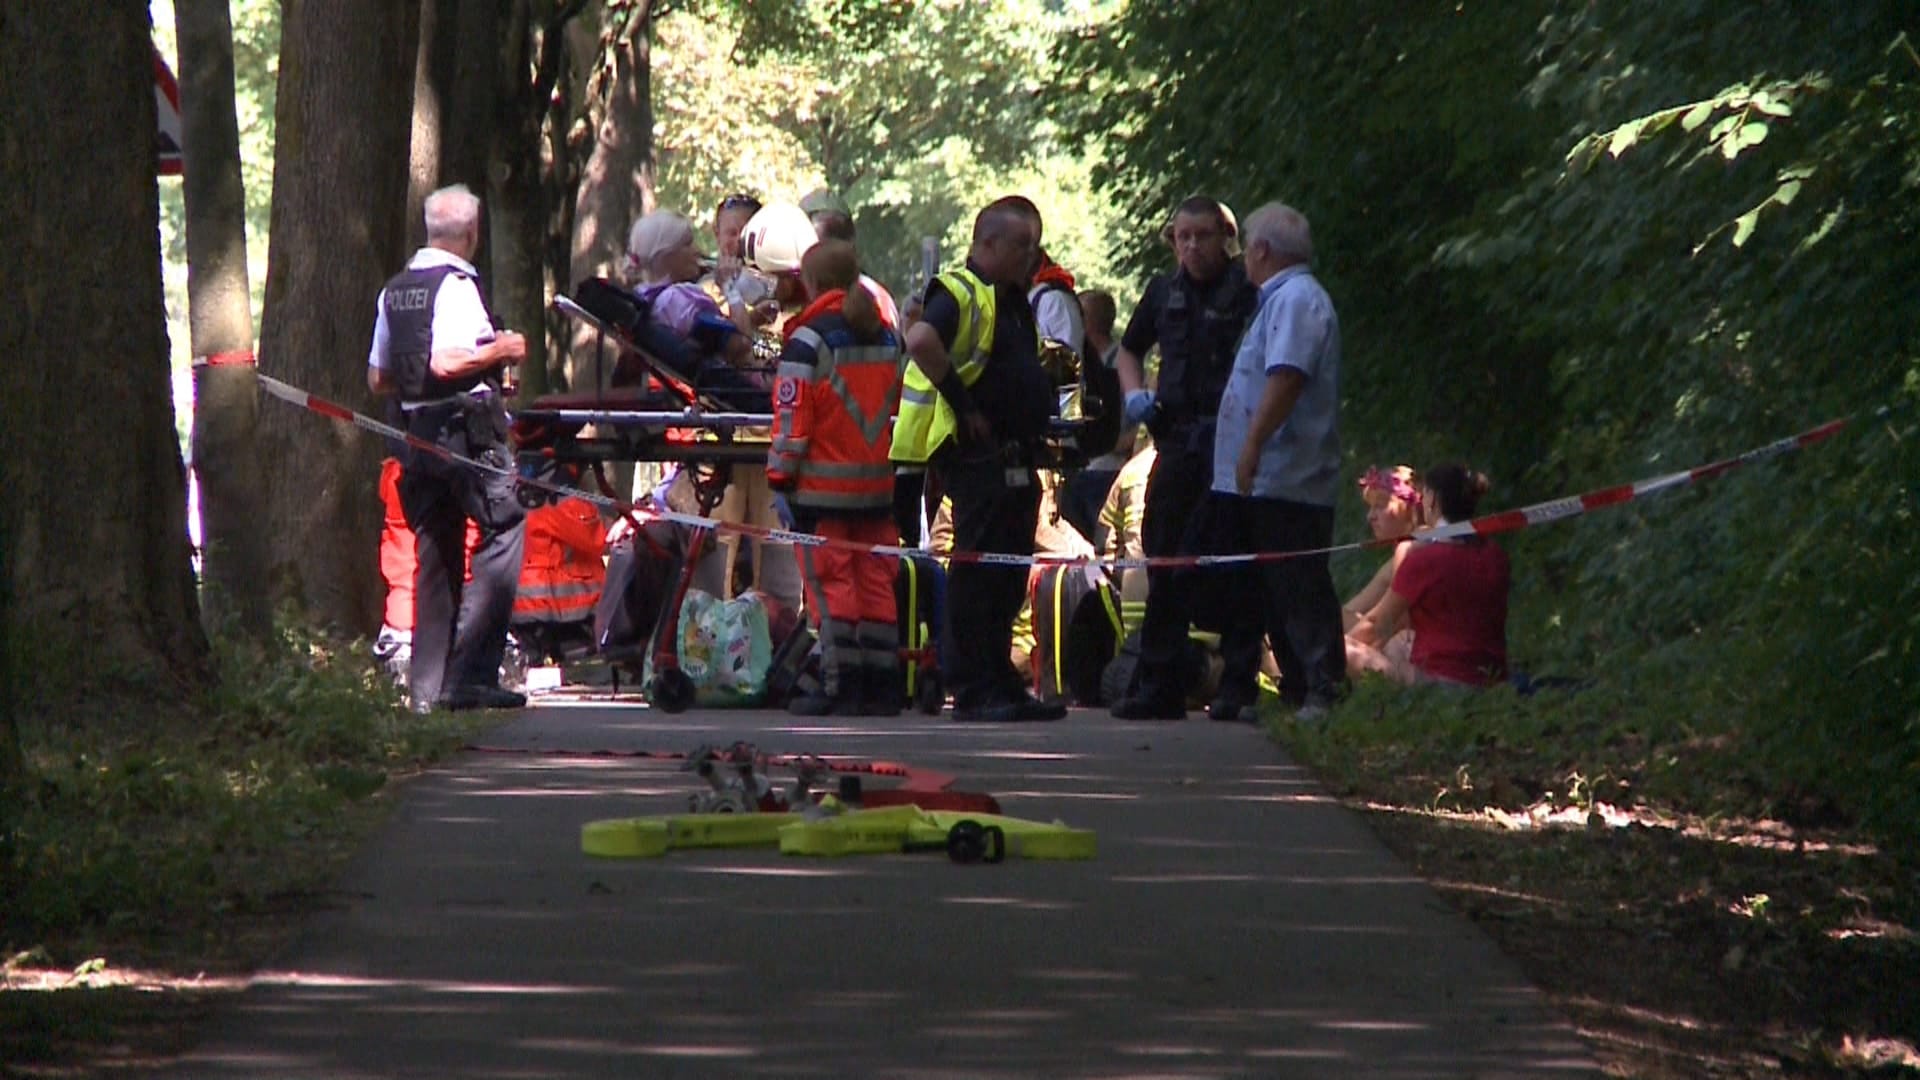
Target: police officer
{"points": [[1196, 316], [976, 405], [434, 344]]}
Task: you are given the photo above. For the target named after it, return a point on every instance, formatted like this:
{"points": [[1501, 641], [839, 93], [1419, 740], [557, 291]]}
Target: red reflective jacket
{"points": [[561, 578], [833, 412]]}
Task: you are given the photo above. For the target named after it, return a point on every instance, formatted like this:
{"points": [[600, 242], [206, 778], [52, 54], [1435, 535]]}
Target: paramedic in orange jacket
{"points": [[838, 388], [394, 647], [564, 570]]}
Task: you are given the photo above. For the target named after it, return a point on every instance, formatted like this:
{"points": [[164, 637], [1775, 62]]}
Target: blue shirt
{"points": [[1295, 328]]}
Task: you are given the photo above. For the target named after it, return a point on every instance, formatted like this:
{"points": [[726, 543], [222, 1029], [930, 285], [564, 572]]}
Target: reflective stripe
{"points": [[787, 444], [791, 370], [871, 427], [849, 470], [836, 651], [926, 421], [558, 592], [832, 500]]}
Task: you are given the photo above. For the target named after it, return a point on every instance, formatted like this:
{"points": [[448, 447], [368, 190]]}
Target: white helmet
{"points": [[776, 237]]}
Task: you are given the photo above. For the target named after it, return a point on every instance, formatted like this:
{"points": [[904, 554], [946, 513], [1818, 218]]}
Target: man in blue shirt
{"points": [[1276, 455]]}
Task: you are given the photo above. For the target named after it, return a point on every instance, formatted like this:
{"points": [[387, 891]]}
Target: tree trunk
{"points": [[100, 585], [616, 187], [429, 109], [338, 232], [453, 96], [226, 413], [532, 57]]}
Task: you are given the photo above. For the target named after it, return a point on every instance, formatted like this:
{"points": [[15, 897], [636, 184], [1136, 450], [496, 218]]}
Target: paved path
{"points": [[1236, 923]]}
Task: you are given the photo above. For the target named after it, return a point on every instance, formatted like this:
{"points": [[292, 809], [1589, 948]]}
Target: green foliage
{"points": [[130, 828], [917, 113], [1580, 244]]}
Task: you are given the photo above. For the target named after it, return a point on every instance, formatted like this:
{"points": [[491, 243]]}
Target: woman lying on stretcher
{"points": [[662, 258]]}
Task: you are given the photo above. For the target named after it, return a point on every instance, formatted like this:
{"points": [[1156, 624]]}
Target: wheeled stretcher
{"points": [[665, 402]]}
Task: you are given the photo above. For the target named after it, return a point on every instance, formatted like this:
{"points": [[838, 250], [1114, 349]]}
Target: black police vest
{"points": [[1199, 331], [1013, 389], [409, 301]]}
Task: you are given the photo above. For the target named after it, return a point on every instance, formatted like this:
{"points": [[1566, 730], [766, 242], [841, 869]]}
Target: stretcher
{"points": [[667, 403], [663, 401]]}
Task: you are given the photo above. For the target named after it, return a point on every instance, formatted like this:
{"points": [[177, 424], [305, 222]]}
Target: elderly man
{"points": [[434, 344], [1277, 455]]}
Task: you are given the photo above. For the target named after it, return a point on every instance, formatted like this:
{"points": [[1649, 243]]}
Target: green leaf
{"points": [[1696, 116], [1744, 225], [1623, 137]]}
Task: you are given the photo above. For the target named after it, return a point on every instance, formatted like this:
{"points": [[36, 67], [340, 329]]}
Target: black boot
{"points": [[885, 692], [852, 698], [819, 701]]}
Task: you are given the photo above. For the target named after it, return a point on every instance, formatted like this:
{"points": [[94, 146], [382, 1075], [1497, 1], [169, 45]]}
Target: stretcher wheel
{"points": [[929, 696], [969, 842], [671, 691]]}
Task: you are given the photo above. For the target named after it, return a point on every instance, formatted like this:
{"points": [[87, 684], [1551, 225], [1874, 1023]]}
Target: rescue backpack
{"points": [[1076, 632]]}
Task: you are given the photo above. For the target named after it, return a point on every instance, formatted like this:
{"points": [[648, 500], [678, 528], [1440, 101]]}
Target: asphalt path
{"points": [[1236, 923]]}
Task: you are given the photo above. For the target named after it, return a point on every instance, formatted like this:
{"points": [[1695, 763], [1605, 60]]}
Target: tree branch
{"points": [[552, 52]]}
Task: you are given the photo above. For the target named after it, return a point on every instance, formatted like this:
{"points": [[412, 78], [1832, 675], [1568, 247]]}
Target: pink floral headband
{"points": [[1393, 483]]}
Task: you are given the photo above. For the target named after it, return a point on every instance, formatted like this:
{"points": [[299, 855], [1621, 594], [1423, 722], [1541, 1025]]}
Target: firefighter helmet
{"points": [[775, 238]]}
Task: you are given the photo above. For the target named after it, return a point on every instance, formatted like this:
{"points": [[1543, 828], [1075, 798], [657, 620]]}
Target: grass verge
{"points": [[163, 851], [1689, 917]]}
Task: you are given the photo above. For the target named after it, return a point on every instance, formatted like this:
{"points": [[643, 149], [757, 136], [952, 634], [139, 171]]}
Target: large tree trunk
{"points": [[453, 95], [616, 187], [338, 232], [532, 57], [101, 594], [429, 115], [226, 412]]}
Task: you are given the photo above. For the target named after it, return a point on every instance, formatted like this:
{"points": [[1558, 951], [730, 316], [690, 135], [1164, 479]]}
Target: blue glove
{"points": [[1139, 404], [783, 510]]}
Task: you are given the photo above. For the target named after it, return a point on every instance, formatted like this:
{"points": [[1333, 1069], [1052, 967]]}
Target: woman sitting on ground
{"points": [[1453, 593], [1395, 509]]}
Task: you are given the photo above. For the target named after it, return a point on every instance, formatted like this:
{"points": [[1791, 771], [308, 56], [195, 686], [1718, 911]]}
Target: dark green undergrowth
{"points": [[149, 832], [1672, 736], [1693, 892]]}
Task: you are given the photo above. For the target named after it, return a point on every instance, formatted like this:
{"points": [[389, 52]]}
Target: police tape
{"points": [[1540, 513]]}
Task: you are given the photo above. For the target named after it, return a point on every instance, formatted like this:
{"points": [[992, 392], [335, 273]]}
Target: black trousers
{"points": [[1298, 610], [1177, 523], [989, 515], [460, 631]]}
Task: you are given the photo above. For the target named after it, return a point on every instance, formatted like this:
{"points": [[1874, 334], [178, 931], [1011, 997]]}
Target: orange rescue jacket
{"points": [[561, 578], [833, 412]]}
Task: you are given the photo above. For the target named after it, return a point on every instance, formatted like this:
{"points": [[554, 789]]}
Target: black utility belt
{"points": [[483, 417]]}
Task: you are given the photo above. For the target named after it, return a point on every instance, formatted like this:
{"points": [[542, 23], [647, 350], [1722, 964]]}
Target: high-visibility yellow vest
{"points": [[926, 420]]}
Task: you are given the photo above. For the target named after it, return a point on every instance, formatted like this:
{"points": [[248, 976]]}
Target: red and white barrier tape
{"points": [[230, 358], [1507, 521]]}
